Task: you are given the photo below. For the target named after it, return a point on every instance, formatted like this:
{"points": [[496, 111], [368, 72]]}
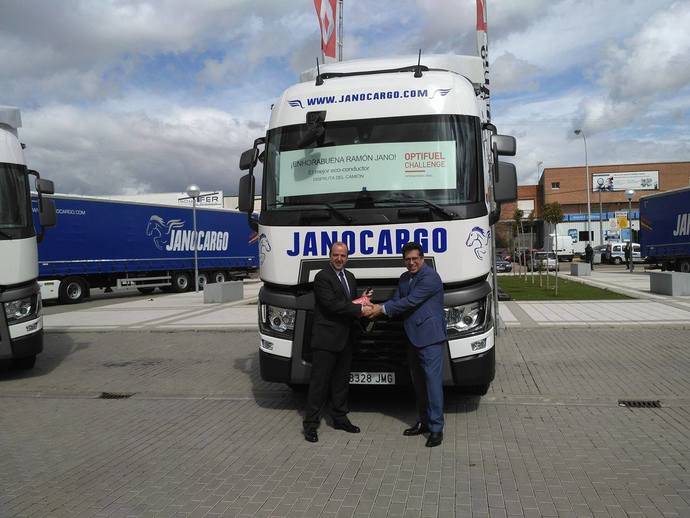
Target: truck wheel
{"points": [[617, 260], [219, 276], [72, 290], [23, 364], [146, 291], [180, 282], [684, 266], [203, 280]]}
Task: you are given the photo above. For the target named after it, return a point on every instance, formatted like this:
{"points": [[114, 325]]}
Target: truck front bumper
{"points": [[23, 338]]}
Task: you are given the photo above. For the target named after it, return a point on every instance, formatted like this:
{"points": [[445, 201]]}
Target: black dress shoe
{"points": [[311, 436], [417, 429], [435, 438], [347, 426]]}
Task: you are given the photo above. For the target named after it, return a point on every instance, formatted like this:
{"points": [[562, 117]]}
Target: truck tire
{"points": [[22, 364], [72, 290], [181, 281], [147, 290], [203, 280], [219, 276], [684, 266]]}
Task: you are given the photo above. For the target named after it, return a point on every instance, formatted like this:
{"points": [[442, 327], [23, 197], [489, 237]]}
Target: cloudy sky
{"points": [[127, 96]]}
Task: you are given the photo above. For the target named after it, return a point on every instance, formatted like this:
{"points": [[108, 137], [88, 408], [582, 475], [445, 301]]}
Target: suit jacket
{"points": [[336, 318], [419, 299]]}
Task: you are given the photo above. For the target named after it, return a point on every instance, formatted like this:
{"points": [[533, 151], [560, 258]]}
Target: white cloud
{"points": [[89, 152]]}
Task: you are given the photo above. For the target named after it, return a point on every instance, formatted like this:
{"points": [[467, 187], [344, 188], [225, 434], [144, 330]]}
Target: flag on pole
{"points": [[327, 12], [483, 50]]}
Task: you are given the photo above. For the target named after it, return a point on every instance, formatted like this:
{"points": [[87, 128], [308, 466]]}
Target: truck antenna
{"points": [[418, 69], [319, 79]]}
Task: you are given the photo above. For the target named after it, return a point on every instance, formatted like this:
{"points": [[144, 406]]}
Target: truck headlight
{"points": [[468, 317], [277, 319], [22, 309]]}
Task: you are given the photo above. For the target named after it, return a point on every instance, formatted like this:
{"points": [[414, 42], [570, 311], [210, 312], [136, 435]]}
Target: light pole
{"points": [[193, 192], [629, 196], [589, 186], [600, 185]]}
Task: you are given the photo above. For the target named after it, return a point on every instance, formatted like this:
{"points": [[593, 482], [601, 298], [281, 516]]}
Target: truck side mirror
{"points": [[248, 159], [503, 145], [46, 216], [45, 186], [505, 187], [246, 193]]}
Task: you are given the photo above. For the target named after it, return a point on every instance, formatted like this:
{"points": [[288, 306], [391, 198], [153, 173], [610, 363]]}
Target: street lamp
{"points": [[589, 186], [600, 185], [629, 196], [193, 192]]}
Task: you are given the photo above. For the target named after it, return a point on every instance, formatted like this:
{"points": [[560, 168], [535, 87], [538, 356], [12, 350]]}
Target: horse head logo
{"points": [[478, 238], [264, 248], [160, 230]]}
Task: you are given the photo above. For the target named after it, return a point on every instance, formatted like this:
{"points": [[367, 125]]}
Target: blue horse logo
{"points": [[478, 239], [160, 230]]}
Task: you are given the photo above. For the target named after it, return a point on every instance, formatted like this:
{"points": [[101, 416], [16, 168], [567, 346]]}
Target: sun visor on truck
{"points": [[10, 116], [470, 67]]}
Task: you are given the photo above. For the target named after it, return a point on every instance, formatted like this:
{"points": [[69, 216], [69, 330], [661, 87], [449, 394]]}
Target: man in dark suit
{"points": [[419, 299], [336, 326]]}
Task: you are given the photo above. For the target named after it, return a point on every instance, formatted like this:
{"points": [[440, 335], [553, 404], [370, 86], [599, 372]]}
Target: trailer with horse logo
{"points": [[101, 243]]}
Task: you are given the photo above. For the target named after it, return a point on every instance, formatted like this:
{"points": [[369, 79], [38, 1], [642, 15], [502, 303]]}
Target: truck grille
{"points": [[381, 349]]}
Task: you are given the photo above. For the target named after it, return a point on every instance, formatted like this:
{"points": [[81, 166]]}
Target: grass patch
{"points": [[519, 289]]}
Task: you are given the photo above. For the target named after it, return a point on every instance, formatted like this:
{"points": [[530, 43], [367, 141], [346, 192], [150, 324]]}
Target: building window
{"points": [[555, 185]]}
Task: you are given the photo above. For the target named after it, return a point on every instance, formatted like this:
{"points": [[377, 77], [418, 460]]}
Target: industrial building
{"points": [[603, 186]]}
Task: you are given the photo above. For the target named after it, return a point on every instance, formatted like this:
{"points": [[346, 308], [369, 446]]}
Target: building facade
{"points": [[607, 186]]}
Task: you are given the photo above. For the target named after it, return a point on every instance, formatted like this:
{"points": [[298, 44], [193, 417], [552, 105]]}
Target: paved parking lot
{"points": [[203, 435]]}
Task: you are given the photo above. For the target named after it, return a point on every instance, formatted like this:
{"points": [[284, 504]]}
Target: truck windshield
{"points": [[372, 162], [15, 204]]}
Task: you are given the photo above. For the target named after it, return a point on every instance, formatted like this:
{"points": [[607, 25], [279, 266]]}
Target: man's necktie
{"points": [[344, 283]]}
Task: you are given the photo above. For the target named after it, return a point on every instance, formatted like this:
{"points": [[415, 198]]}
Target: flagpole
{"points": [[340, 30]]}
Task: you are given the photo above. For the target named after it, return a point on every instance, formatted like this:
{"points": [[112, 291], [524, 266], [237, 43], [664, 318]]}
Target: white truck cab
{"points": [[21, 323], [376, 153]]}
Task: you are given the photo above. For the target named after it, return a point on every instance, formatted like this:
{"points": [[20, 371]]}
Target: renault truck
{"points": [[375, 153], [21, 323]]}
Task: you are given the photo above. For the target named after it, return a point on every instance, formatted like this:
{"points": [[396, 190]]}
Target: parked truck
{"points": [[21, 321], [108, 244], [665, 229], [562, 246], [376, 153]]}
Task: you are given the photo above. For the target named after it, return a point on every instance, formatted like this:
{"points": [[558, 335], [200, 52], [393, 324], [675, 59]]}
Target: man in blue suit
{"points": [[419, 299]]}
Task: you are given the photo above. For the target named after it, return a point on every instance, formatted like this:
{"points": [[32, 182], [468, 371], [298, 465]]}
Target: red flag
{"points": [[481, 16], [326, 10]]}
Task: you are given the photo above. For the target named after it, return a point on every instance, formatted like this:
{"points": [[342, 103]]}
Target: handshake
{"points": [[372, 310], [369, 310]]}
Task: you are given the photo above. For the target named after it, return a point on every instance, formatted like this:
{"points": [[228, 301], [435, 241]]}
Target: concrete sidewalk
{"points": [[187, 310]]}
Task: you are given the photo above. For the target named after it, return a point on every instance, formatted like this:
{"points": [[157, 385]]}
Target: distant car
{"points": [[615, 253], [502, 265], [543, 261]]}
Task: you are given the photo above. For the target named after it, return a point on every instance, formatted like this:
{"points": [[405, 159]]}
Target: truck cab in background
{"points": [[376, 153], [21, 322]]}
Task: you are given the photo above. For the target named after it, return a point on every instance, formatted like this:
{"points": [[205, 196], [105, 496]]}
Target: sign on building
{"points": [[636, 180], [206, 199]]}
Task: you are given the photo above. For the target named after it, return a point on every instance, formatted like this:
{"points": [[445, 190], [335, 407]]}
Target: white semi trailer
{"points": [[376, 153], [21, 323]]}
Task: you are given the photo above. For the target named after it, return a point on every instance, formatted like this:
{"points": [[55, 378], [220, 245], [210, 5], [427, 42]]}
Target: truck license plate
{"points": [[372, 378]]}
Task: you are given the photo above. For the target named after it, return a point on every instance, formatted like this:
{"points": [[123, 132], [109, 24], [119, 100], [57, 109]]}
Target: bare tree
{"points": [[553, 214]]}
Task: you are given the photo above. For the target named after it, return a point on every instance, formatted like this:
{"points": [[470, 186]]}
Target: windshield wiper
{"points": [[448, 214], [331, 208]]}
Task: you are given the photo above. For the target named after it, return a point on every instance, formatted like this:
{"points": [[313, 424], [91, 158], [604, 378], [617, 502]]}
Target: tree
{"points": [[518, 214], [553, 214], [530, 220]]}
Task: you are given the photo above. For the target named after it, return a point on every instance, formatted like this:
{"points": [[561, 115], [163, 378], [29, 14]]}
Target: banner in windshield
{"points": [[377, 167]]}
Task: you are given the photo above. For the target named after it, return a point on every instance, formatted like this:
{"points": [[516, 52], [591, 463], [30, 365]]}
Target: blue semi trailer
{"points": [[99, 243], [665, 229]]}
